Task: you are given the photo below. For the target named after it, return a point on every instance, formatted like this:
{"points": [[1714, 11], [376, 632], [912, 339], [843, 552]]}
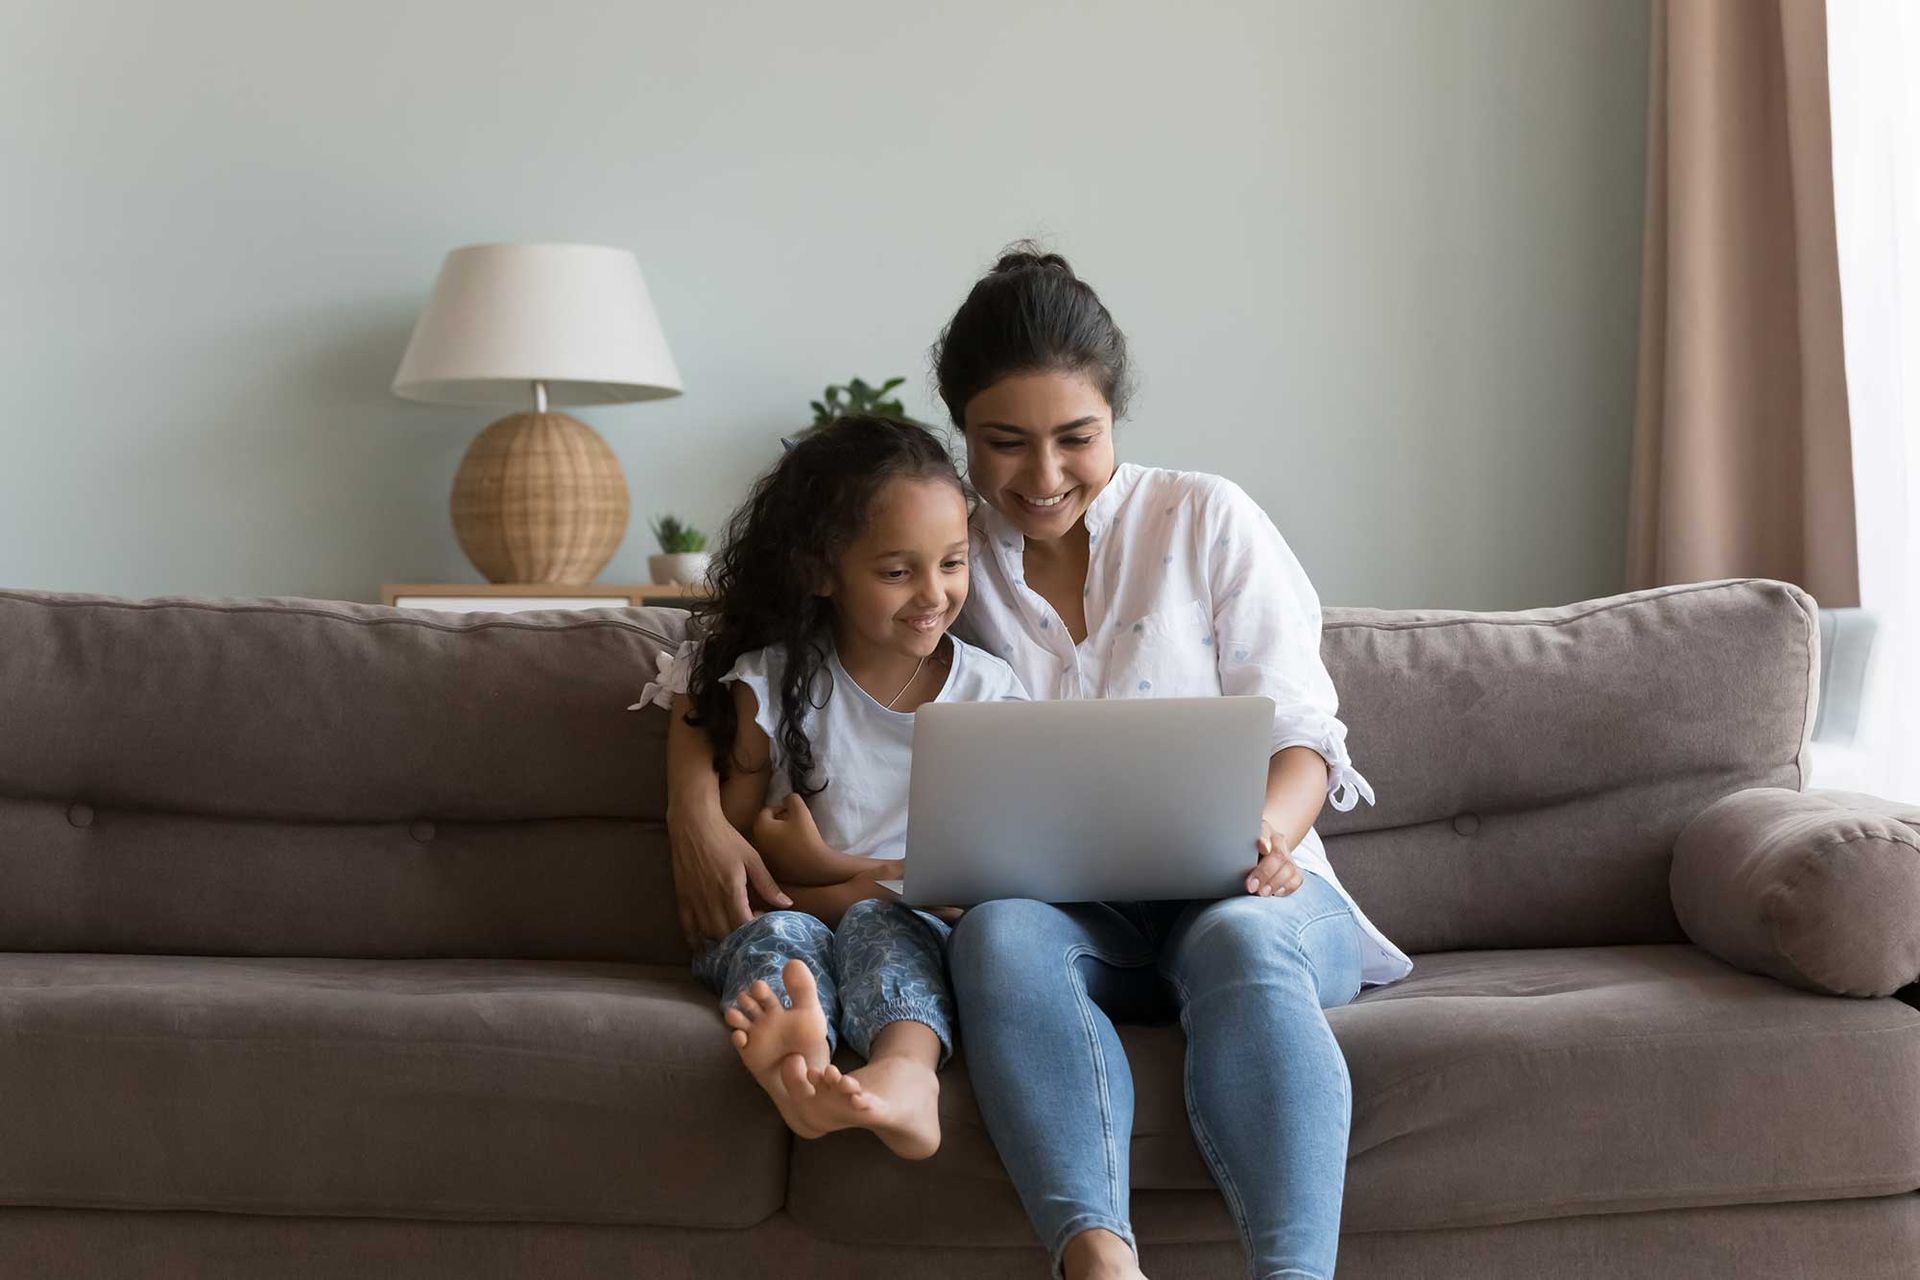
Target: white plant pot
{"points": [[689, 568]]}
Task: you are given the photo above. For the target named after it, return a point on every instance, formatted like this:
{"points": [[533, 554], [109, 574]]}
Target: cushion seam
{"points": [[1477, 621], [1802, 1192], [411, 1047], [436, 817], [464, 1211], [304, 611], [1534, 805]]}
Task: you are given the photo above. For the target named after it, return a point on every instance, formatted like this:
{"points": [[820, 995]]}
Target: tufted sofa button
{"points": [[421, 830], [80, 815], [1466, 823]]}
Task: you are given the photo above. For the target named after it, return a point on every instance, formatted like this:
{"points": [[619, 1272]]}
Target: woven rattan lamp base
{"points": [[539, 498]]}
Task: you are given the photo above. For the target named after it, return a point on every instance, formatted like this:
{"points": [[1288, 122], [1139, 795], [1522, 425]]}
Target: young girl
{"points": [[828, 627]]}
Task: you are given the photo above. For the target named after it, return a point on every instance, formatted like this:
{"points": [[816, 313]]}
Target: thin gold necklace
{"points": [[908, 685]]}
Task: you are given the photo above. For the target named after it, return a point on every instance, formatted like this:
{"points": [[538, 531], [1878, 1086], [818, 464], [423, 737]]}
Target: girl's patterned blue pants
{"points": [[885, 963]]}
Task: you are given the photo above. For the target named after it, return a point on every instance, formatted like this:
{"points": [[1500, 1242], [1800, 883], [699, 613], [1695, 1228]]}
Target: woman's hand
{"points": [[1275, 873], [712, 862], [712, 866]]}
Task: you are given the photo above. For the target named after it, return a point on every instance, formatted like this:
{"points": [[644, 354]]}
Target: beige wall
{"points": [[1379, 261]]}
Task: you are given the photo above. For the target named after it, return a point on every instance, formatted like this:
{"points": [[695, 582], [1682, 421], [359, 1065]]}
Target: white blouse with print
{"points": [[1190, 591]]}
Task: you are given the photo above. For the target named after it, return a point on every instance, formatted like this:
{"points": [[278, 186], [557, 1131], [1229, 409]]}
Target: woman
{"points": [[1098, 580]]}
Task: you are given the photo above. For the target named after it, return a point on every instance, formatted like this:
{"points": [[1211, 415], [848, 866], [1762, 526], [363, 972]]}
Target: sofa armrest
{"points": [[1820, 889]]}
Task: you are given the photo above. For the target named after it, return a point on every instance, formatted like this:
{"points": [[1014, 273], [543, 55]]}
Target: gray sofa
{"points": [[338, 940]]}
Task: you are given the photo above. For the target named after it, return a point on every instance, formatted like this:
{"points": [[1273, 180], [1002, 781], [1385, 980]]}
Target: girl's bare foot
{"points": [[896, 1097], [779, 1045]]}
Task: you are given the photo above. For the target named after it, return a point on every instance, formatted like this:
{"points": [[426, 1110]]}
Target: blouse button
{"points": [[80, 815], [1466, 824], [421, 831]]}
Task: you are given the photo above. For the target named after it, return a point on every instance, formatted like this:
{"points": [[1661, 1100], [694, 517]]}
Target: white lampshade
{"points": [[574, 316]]}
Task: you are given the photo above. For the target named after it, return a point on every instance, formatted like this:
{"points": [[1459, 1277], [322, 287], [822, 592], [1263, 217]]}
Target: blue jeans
{"points": [[885, 963], [1266, 1086]]}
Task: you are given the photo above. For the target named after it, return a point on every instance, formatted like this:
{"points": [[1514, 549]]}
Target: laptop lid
{"points": [[1078, 801]]}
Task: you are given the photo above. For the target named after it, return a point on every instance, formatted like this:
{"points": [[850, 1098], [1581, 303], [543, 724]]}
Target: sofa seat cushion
{"points": [[1493, 1087], [528, 1090]]}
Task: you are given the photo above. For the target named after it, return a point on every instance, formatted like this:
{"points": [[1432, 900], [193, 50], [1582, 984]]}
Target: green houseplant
{"points": [[856, 396], [683, 552]]}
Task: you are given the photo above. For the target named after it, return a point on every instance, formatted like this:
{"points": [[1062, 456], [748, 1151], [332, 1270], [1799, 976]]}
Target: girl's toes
{"points": [[737, 1019], [763, 993], [739, 1039]]}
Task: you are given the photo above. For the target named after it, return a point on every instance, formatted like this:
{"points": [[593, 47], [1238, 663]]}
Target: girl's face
{"points": [[1040, 449], [900, 584]]}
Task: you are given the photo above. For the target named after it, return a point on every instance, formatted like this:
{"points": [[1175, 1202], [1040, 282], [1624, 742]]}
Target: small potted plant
{"points": [[683, 557]]}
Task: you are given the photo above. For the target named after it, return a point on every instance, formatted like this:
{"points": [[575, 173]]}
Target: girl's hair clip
{"points": [[788, 444]]}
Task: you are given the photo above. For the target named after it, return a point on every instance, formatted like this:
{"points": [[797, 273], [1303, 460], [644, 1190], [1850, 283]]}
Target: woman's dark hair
{"points": [[1030, 314], [780, 548]]}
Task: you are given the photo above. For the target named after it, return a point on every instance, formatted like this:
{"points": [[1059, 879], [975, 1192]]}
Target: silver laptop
{"points": [[1102, 800]]}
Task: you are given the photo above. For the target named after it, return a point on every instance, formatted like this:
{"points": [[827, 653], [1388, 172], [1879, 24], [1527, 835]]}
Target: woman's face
{"points": [[1040, 449]]}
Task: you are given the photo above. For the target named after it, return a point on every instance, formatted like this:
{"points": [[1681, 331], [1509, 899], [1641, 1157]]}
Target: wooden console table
{"points": [[514, 597]]}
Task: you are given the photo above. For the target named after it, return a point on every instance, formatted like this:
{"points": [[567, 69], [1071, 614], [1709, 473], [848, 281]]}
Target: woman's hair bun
{"points": [[1029, 314], [1025, 255]]}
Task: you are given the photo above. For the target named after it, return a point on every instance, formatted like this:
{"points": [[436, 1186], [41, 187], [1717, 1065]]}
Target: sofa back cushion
{"points": [[1534, 769], [300, 777], [306, 777]]}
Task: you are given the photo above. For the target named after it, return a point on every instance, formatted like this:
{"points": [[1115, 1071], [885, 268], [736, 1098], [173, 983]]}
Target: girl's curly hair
{"points": [[780, 547]]}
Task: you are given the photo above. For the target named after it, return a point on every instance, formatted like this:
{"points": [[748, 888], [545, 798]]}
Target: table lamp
{"points": [[539, 496]]}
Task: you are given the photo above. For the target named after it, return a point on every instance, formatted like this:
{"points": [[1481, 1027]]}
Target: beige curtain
{"points": [[1741, 461]]}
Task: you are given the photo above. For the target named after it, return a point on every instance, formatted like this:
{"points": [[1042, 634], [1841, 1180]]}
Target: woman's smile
{"points": [[1047, 503]]}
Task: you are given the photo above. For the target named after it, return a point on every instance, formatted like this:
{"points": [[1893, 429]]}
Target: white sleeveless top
{"points": [[861, 750]]}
